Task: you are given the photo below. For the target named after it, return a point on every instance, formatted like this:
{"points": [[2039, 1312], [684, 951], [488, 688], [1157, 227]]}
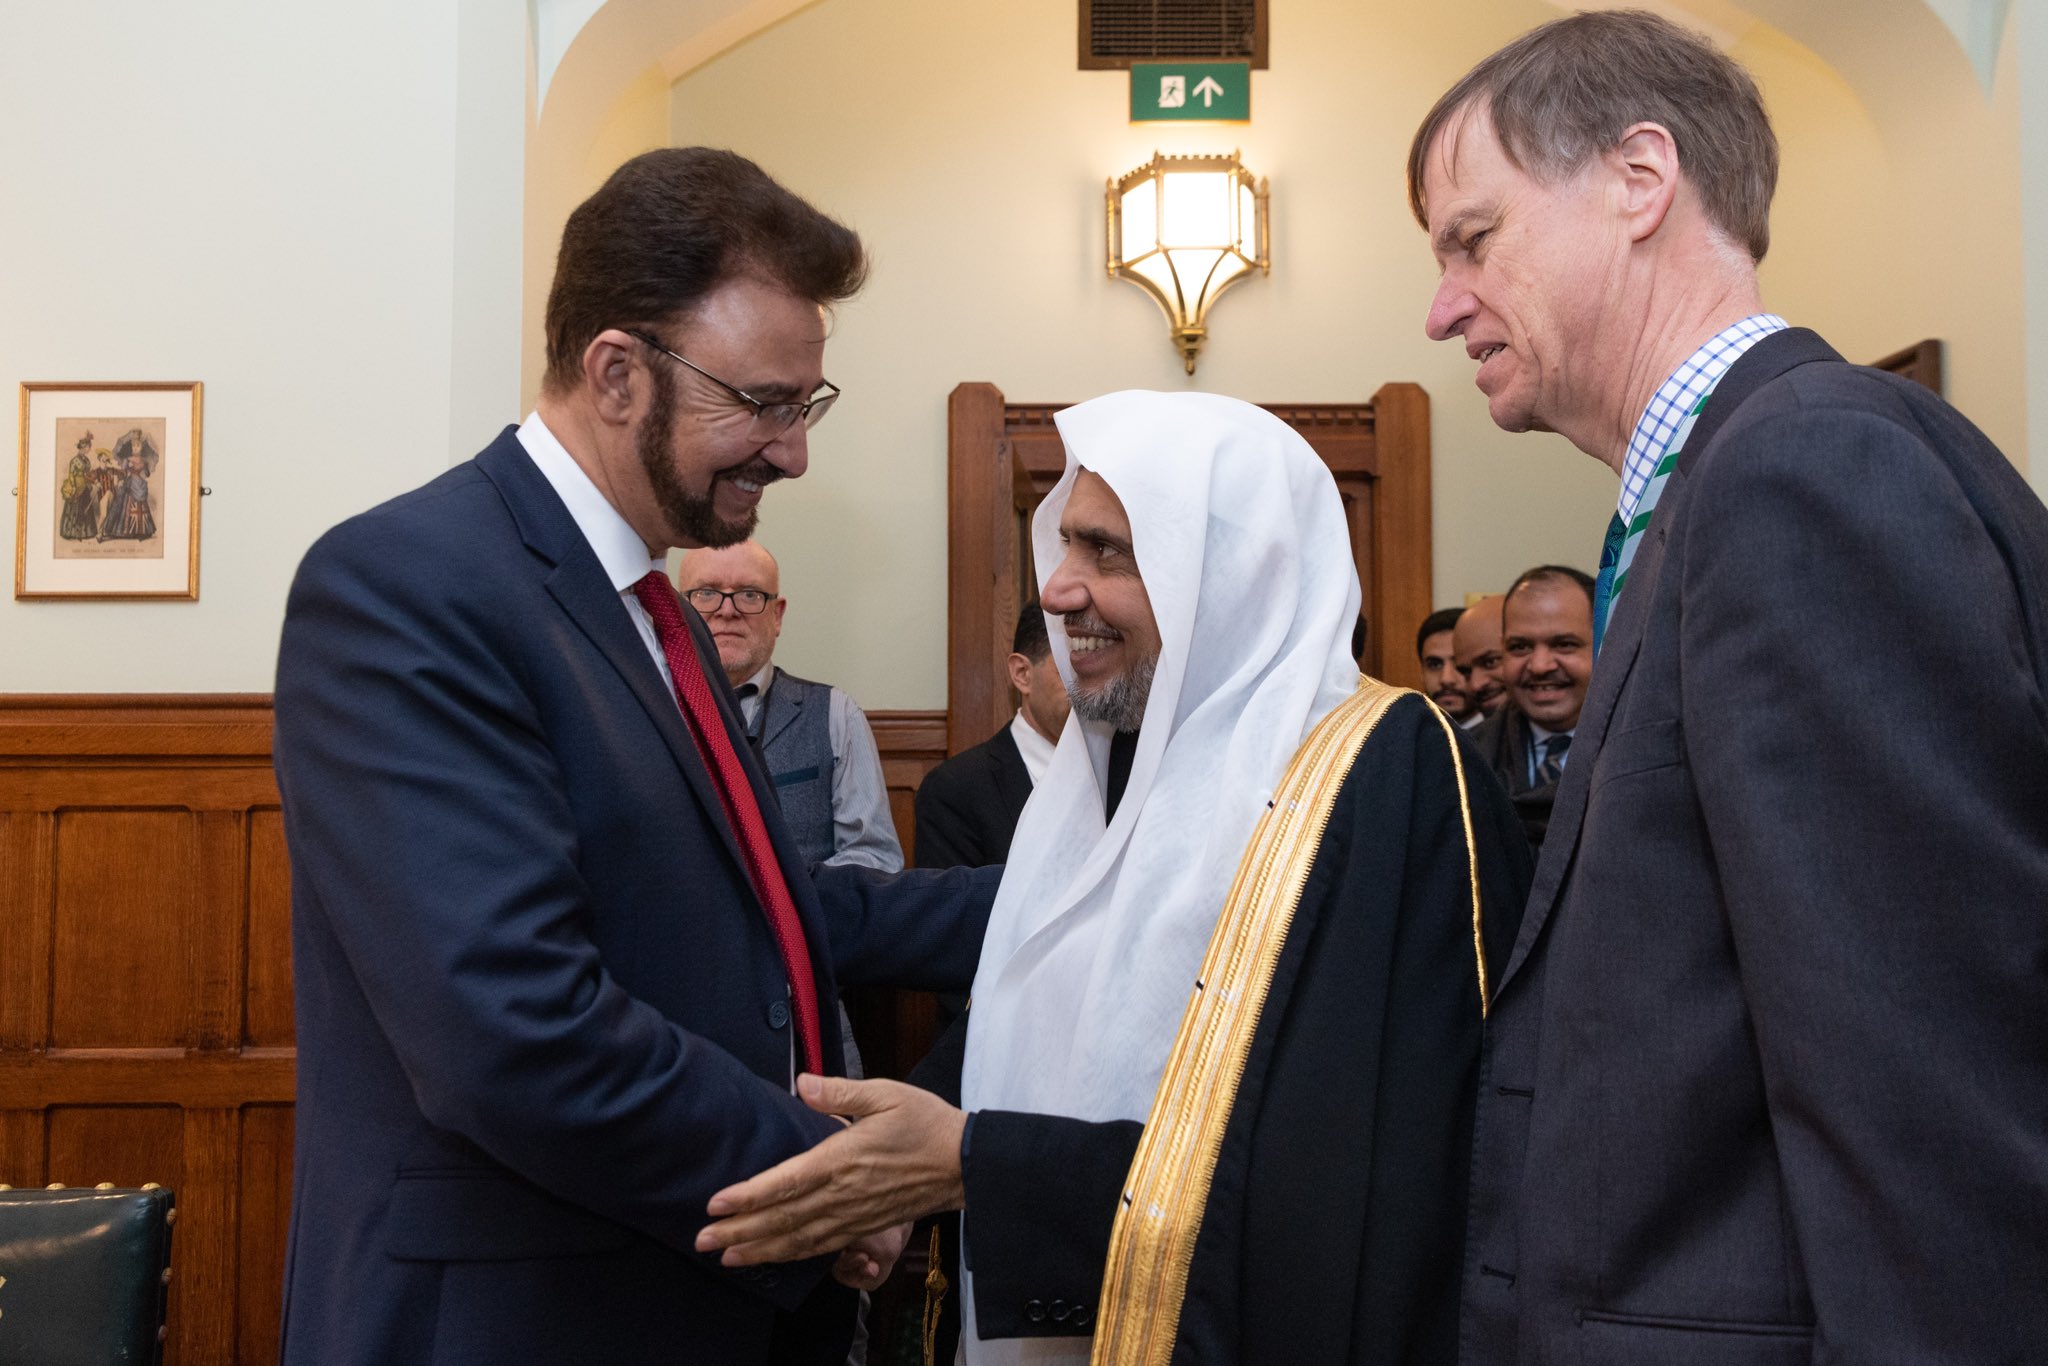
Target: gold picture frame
{"points": [[107, 499]]}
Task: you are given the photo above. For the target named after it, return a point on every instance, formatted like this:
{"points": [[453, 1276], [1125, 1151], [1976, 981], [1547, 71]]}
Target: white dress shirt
{"points": [[619, 548], [1033, 748]]}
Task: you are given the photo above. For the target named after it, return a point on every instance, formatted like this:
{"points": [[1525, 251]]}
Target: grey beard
{"points": [[1121, 701]]}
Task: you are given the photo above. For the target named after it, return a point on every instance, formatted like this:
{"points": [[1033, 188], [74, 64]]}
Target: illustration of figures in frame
{"points": [[109, 494], [108, 503]]}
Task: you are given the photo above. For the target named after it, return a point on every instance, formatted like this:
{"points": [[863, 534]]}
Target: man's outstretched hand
{"points": [[897, 1160]]}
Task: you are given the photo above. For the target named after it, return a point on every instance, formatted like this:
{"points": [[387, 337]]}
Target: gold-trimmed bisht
{"points": [[1152, 1245]]}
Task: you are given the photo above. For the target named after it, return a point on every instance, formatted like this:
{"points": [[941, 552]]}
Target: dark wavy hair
{"points": [[672, 225]]}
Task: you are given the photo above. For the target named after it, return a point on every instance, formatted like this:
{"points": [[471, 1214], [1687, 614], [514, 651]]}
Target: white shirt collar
{"points": [[1033, 748], [619, 548]]}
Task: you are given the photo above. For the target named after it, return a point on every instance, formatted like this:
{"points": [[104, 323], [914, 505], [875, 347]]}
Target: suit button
{"points": [[778, 1014], [1035, 1311], [1059, 1311]]}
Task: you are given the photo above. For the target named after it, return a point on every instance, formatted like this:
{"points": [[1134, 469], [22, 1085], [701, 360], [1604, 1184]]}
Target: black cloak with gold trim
{"points": [[1334, 1220]]}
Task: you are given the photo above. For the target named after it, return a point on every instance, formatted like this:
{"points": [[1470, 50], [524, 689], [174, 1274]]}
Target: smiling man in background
{"points": [[1546, 663], [1476, 654]]}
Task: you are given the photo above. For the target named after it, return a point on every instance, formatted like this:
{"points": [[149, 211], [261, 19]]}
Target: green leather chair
{"points": [[84, 1275]]}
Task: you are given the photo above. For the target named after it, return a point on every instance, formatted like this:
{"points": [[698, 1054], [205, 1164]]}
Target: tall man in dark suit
{"points": [[557, 959], [967, 807], [1766, 1077], [1546, 663]]}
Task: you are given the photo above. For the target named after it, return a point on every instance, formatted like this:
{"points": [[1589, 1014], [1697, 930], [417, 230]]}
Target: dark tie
{"points": [[1553, 758], [736, 794]]}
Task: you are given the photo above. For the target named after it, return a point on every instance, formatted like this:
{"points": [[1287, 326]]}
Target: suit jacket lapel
{"points": [[1762, 363], [1013, 778], [579, 583], [1610, 674]]}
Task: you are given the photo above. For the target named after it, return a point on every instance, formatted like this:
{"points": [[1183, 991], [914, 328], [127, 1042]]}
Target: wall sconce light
{"points": [[1184, 229]]}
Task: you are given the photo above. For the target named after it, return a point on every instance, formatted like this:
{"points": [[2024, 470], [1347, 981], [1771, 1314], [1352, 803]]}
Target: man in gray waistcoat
{"points": [[813, 738]]}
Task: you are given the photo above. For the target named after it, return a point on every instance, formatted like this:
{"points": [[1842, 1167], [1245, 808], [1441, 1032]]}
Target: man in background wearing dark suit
{"points": [[557, 959], [1547, 660], [1766, 1078], [968, 806]]}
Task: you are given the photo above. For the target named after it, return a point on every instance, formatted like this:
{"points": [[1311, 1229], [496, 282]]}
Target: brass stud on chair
{"points": [[167, 1275], [151, 1186], [5, 1187], [54, 1186], [104, 1186]]}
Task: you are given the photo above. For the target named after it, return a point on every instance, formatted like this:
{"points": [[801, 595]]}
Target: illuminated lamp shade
{"points": [[1184, 229]]}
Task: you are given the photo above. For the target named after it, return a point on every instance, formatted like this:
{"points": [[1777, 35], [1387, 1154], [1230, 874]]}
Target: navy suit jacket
{"points": [[1767, 1072], [541, 1016], [967, 807]]}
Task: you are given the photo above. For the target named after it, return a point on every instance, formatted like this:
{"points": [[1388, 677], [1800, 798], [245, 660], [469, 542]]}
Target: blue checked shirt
{"points": [[1675, 397]]}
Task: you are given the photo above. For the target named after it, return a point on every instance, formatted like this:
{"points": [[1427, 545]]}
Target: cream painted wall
{"points": [[313, 209], [964, 146], [1879, 241]]}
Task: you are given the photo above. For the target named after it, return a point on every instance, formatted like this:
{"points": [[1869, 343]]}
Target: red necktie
{"points": [[736, 794]]}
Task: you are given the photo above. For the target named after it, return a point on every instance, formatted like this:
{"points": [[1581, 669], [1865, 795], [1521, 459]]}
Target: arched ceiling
{"points": [[586, 51]]}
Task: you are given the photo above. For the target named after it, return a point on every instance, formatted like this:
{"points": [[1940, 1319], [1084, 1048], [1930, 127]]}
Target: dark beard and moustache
{"points": [[692, 518], [1121, 701]]}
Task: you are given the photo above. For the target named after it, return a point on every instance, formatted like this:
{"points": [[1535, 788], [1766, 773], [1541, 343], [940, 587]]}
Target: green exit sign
{"points": [[1165, 91]]}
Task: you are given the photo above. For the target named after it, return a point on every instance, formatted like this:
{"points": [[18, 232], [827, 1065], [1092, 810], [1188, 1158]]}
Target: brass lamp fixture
{"points": [[1184, 229]]}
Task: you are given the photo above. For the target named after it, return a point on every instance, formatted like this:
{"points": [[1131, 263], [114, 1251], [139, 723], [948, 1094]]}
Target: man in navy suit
{"points": [[557, 960], [1766, 1079]]}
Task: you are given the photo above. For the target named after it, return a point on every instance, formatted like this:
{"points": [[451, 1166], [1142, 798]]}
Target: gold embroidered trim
{"points": [[1471, 862], [1152, 1243]]}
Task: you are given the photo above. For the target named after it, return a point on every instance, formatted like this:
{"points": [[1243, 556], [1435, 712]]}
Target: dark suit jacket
{"points": [[967, 807], [541, 1016], [1502, 739], [1767, 1077]]}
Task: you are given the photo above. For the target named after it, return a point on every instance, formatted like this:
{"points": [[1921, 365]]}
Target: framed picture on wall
{"points": [[107, 503]]}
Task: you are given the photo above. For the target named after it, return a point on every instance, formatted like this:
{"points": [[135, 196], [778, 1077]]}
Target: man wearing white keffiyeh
{"points": [[1245, 918]]}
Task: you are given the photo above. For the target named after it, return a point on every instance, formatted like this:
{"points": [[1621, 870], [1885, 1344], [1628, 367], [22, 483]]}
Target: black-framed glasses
{"points": [[748, 602], [770, 419]]}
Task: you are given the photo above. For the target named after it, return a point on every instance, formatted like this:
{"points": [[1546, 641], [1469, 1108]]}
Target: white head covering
{"points": [[1097, 933]]}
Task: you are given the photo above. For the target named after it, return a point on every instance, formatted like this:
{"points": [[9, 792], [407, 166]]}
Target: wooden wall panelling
{"points": [[896, 1028], [145, 977], [128, 867], [1403, 570], [975, 544]]}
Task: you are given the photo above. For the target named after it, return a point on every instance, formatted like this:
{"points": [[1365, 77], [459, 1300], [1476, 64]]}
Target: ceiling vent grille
{"points": [[1115, 33]]}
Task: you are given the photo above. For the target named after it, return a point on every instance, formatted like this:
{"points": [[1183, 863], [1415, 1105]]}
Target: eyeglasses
{"points": [[770, 419], [748, 602]]}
